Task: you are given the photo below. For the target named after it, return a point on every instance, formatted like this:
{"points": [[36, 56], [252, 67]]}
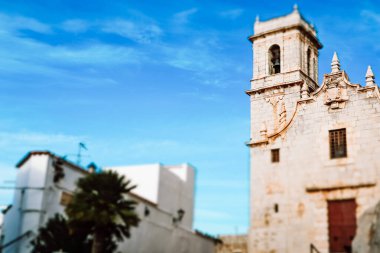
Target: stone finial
{"points": [[264, 130], [257, 19], [295, 8], [335, 64], [369, 77]]}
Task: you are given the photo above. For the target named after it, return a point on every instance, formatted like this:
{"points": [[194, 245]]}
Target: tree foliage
{"points": [[56, 236], [100, 203]]}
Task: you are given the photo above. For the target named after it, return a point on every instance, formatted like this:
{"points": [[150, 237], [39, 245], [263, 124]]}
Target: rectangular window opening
{"points": [[276, 208], [338, 143], [275, 155], [66, 198]]}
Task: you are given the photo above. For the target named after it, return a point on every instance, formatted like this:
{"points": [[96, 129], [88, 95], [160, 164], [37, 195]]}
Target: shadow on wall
{"points": [[367, 239]]}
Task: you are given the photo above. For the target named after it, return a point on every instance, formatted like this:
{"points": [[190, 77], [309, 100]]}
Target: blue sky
{"points": [[154, 81]]}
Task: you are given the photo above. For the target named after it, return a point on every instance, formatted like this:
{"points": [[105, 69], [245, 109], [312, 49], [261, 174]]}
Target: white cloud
{"points": [[15, 23], [183, 17], [374, 16], [201, 95], [25, 56], [191, 58], [8, 139], [75, 25], [144, 32], [202, 59], [95, 54], [231, 14]]}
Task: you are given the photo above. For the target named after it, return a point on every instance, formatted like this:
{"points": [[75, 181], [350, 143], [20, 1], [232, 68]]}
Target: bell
{"points": [[276, 62]]}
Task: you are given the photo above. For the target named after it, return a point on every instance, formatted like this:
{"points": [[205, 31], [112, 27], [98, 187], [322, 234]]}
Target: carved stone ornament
{"points": [[282, 119], [370, 93], [274, 100], [336, 92]]}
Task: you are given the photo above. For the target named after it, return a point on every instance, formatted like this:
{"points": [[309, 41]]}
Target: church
{"points": [[314, 147]]}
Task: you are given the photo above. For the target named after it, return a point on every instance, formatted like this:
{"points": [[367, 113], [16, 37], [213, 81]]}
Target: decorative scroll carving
{"points": [[282, 120], [274, 101], [336, 92], [264, 131]]}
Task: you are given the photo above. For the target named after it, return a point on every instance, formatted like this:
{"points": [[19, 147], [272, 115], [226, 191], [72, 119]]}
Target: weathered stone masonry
{"points": [[292, 113]]}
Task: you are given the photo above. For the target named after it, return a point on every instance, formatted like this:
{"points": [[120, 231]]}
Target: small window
{"points": [[66, 198], [274, 59], [275, 155], [338, 144], [276, 209]]}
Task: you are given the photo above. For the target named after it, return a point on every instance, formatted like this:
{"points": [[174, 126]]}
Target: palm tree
{"points": [[56, 236], [100, 203]]}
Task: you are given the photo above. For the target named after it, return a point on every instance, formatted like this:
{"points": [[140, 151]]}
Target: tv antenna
{"points": [[81, 146]]}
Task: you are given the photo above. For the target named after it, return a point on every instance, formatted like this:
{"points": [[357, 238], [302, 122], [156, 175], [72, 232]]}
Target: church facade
{"points": [[314, 148]]}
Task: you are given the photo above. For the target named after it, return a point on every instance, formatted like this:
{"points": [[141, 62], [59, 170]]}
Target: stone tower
{"points": [[285, 67], [313, 149]]}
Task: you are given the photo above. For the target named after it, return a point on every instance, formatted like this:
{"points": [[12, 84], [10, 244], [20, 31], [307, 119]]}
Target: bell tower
{"points": [[285, 73], [285, 69]]}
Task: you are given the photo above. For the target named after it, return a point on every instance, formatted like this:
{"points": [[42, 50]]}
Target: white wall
{"points": [[146, 177], [177, 191], [171, 188], [26, 211], [1, 218], [161, 190], [157, 233]]}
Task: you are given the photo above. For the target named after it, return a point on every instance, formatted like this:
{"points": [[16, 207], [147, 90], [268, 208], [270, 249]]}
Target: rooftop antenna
{"points": [[81, 146]]}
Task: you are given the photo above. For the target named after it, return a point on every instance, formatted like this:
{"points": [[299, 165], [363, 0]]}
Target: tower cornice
{"points": [[299, 27], [272, 87]]}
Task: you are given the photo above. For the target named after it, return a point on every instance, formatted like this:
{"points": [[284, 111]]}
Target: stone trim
{"points": [[371, 91], [273, 87], [252, 143], [312, 189], [299, 27], [299, 80], [324, 82]]}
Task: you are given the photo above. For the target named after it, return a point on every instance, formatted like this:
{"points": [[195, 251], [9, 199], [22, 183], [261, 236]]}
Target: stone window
{"points": [[275, 155], [308, 62], [276, 209], [338, 144], [66, 198], [274, 59]]}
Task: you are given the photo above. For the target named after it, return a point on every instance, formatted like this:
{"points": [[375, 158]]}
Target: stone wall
{"points": [[289, 198], [232, 244], [367, 239]]}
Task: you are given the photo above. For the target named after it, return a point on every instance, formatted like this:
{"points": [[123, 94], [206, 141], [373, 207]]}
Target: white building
{"points": [[164, 194], [314, 148], [2, 209]]}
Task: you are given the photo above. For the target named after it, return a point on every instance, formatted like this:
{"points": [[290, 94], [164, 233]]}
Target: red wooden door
{"points": [[342, 225]]}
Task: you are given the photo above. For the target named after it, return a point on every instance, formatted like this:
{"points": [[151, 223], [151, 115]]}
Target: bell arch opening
{"points": [[274, 59]]}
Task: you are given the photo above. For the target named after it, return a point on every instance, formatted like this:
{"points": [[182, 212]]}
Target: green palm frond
{"points": [[100, 203]]}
